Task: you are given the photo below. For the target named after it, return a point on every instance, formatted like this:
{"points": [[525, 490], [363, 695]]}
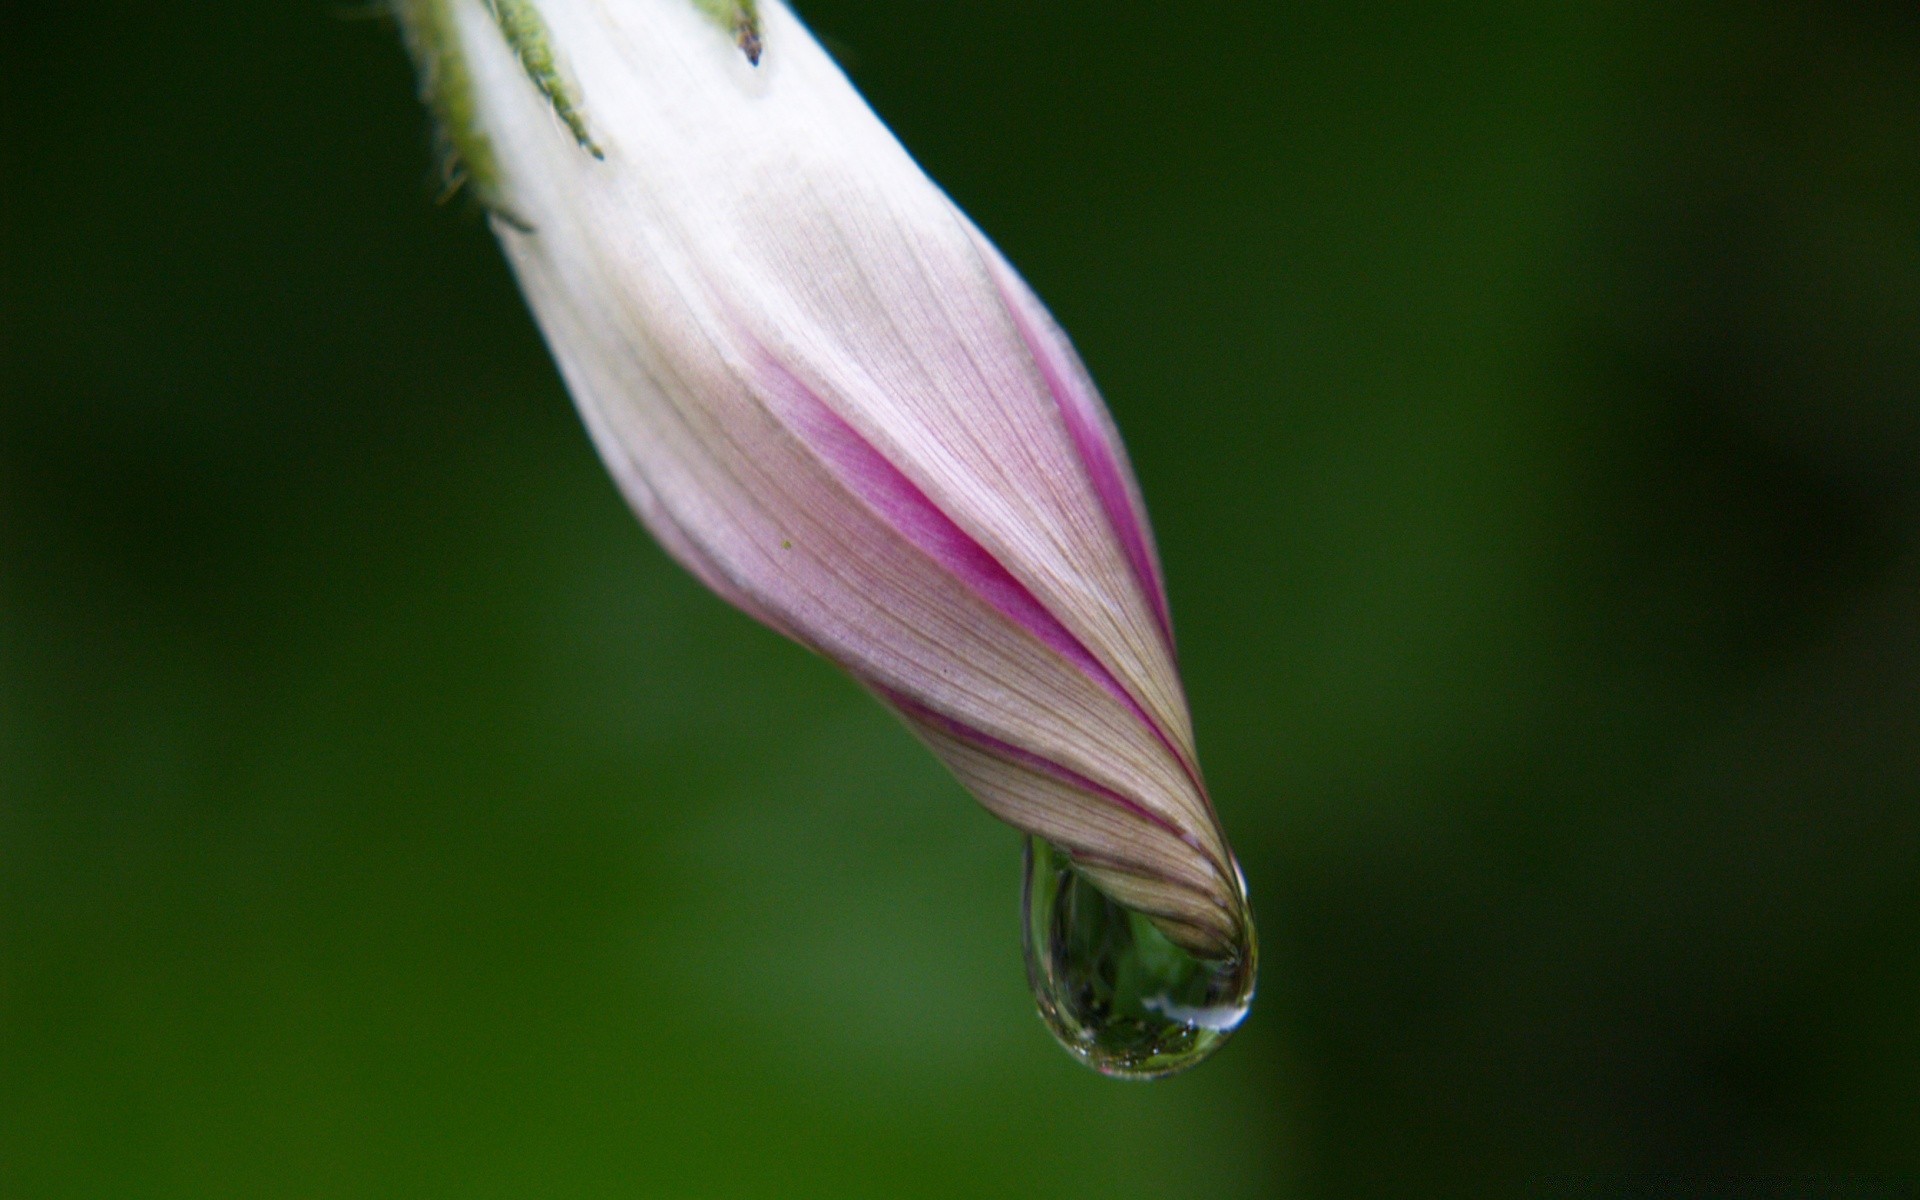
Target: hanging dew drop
{"points": [[1114, 990]]}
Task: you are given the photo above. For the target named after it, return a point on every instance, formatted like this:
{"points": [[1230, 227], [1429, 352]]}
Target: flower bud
{"points": [[830, 398]]}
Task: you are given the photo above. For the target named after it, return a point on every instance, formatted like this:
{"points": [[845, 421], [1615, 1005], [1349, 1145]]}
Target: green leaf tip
{"points": [[520, 22], [741, 19], [446, 86]]}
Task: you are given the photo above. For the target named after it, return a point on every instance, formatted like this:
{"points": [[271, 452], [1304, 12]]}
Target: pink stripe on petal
{"points": [[901, 503], [1091, 430], [1046, 766]]}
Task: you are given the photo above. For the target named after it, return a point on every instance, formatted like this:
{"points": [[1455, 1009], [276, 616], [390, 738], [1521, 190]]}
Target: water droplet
{"points": [[1113, 989]]}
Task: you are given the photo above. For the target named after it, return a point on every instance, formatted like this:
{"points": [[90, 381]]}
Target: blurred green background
{"points": [[1528, 397]]}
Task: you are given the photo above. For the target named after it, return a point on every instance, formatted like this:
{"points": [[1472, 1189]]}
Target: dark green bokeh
{"points": [[1528, 397]]}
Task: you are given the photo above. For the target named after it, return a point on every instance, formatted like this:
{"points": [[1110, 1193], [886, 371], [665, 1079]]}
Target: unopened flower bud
{"points": [[831, 399]]}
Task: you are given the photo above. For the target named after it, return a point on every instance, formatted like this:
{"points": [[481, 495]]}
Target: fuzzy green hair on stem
{"points": [[446, 86]]}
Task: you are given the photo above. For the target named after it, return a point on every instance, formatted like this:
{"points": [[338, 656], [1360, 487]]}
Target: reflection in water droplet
{"points": [[1114, 990]]}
